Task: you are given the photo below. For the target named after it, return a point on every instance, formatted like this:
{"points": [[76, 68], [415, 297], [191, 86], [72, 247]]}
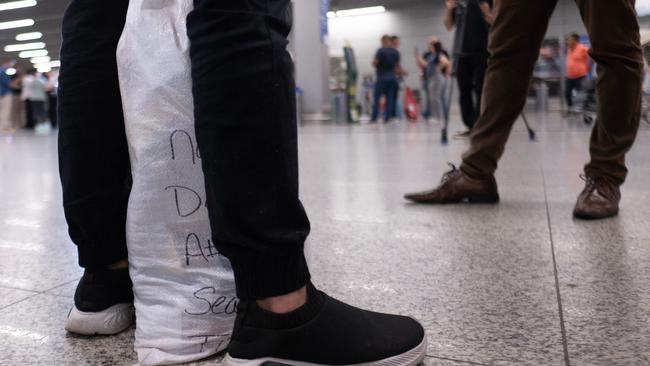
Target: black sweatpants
{"points": [[246, 129], [470, 75]]}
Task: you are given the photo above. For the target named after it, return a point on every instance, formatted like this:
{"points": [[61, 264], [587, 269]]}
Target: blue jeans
{"points": [[387, 87]]}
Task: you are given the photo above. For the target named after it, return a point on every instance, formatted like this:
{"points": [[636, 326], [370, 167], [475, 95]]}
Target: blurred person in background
{"points": [[577, 68], [25, 96], [6, 97], [426, 107], [437, 68], [17, 105], [51, 87], [34, 92], [473, 55], [396, 42], [387, 64]]}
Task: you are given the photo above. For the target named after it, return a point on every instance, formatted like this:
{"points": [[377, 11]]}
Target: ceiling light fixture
{"points": [[24, 47], [29, 36], [55, 63], [17, 24], [17, 4], [35, 53], [10, 71], [40, 60], [356, 12], [44, 68]]}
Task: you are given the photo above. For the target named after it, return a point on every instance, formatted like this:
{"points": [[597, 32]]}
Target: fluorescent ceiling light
{"points": [[40, 60], [24, 47], [47, 65], [30, 54], [17, 4], [29, 36], [357, 11], [44, 68], [17, 24], [10, 71]]}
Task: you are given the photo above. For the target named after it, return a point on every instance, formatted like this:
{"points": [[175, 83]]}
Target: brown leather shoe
{"points": [[599, 199], [456, 187]]}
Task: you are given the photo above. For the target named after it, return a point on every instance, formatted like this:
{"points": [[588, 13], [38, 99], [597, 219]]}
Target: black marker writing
{"points": [[189, 138], [223, 338], [194, 248], [213, 303], [186, 192]]}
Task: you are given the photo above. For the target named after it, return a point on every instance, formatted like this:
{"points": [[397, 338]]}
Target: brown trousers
{"points": [[515, 40]]}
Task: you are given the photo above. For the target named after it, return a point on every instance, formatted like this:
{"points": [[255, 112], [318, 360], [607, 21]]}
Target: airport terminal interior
{"points": [[521, 282]]}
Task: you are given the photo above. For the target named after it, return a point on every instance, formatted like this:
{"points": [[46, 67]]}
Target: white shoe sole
{"points": [[108, 322], [411, 358]]}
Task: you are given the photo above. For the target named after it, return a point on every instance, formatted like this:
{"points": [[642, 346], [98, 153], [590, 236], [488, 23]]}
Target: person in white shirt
{"points": [[34, 92]]}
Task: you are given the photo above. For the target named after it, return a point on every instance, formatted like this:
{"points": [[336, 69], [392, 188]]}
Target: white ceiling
{"points": [[47, 14]]}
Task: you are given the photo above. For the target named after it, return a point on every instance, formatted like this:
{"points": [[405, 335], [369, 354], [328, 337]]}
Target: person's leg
{"points": [[397, 103], [426, 102], [30, 124], [93, 153], [248, 141], [480, 67], [435, 88], [568, 92], [515, 39], [444, 99], [246, 131], [38, 109], [377, 100], [5, 113], [52, 101], [614, 32], [392, 89], [466, 91], [94, 162]]}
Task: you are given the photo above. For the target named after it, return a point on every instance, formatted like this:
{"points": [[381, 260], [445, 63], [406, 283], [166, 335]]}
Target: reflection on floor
{"points": [[521, 283]]}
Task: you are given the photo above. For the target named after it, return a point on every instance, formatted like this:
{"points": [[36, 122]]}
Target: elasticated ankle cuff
{"points": [[254, 316]]}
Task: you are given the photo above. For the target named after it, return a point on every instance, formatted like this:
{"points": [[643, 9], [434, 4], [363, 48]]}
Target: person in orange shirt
{"points": [[577, 66]]}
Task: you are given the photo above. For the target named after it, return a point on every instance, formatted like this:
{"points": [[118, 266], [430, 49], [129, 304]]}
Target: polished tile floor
{"points": [[521, 283]]}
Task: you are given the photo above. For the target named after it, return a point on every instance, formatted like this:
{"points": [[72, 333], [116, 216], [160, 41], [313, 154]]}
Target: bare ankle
{"points": [[123, 264], [285, 303]]}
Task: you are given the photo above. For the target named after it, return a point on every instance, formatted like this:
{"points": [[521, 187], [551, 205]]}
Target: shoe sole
{"points": [[107, 322], [473, 199], [583, 216], [411, 358]]}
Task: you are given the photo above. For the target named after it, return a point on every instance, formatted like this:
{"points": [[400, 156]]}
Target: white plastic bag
{"points": [[184, 290]]}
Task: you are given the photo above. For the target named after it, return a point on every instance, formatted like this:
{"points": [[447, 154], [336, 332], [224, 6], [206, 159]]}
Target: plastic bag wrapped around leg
{"points": [[184, 289]]}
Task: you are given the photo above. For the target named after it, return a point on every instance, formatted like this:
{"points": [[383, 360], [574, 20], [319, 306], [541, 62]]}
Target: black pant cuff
{"points": [[90, 258], [268, 276]]}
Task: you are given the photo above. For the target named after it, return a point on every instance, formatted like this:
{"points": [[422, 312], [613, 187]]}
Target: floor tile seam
{"points": [[39, 292], [3, 287], [45, 292], [2, 308], [563, 332], [456, 360]]}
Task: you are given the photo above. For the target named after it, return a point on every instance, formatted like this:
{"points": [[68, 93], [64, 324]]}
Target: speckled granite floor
{"points": [[520, 283]]}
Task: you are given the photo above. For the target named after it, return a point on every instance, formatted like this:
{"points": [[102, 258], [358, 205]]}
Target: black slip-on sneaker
{"points": [[103, 303], [337, 335]]}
